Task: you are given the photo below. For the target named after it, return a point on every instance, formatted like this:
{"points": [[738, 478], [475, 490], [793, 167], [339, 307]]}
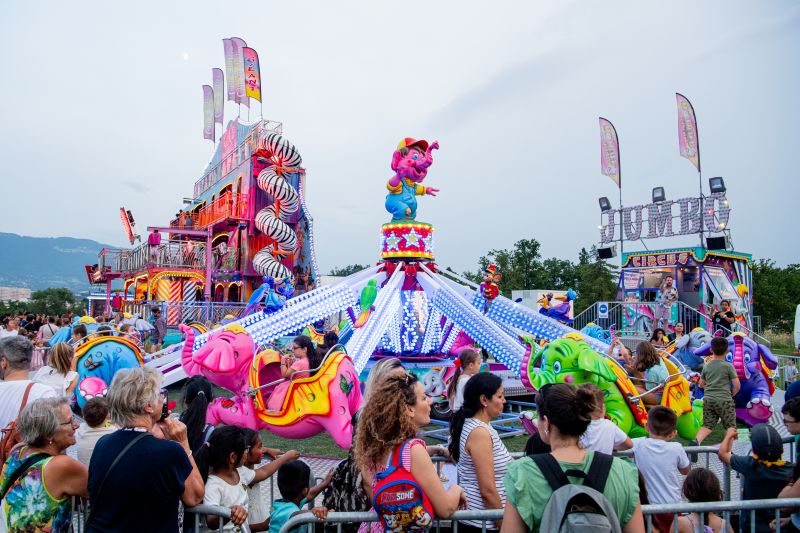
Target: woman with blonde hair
{"points": [[387, 428], [59, 372]]}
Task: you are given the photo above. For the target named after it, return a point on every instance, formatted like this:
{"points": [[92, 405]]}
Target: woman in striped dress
{"points": [[473, 441]]}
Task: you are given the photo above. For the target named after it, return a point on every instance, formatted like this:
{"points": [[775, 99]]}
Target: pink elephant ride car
{"points": [[325, 401]]}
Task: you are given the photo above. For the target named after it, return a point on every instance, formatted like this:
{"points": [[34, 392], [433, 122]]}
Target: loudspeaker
{"points": [[607, 253], [717, 243]]}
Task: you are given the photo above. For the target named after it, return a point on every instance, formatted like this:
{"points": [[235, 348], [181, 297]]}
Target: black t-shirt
{"points": [[143, 490], [760, 483], [720, 323]]}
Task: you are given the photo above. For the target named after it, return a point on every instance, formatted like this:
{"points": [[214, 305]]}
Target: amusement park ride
{"points": [[245, 242]]}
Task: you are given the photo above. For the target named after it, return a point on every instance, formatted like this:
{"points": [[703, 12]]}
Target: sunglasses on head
{"points": [[540, 398]]}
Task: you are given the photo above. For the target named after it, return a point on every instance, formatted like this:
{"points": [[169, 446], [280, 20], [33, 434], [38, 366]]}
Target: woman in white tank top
{"points": [[473, 441]]}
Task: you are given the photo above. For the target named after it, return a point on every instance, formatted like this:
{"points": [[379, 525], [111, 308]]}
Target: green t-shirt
{"points": [[528, 490], [718, 375]]}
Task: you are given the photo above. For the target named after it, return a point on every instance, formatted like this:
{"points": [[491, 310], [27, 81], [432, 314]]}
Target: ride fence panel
{"points": [[208, 313], [731, 512], [787, 372], [199, 512]]}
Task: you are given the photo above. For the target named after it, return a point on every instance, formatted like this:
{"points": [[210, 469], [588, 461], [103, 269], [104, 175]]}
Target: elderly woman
{"points": [[136, 479], [38, 479]]}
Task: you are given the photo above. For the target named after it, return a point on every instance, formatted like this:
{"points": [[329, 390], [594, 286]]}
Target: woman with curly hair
{"points": [[648, 372], [387, 426]]}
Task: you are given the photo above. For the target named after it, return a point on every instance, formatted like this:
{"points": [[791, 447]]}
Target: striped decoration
{"points": [[189, 297], [162, 290], [174, 308], [270, 220]]}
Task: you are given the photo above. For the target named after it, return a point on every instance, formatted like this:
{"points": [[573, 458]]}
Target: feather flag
{"points": [[219, 96], [688, 141], [208, 113], [252, 74], [609, 151], [238, 70], [228, 47]]}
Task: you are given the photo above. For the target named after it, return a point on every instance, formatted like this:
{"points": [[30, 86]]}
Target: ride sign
{"points": [[602, 309]]}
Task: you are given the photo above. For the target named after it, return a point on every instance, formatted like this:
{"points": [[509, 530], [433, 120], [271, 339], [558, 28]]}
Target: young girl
{"points": [[221, 465], [468, 363], [602, 435], [702, 485], [59, 373], [197, 394], [303, 357], [648, 371], [258, 516]]}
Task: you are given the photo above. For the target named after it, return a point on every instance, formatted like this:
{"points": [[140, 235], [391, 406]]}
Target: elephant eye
{"points": [[729, 357], [557, 367], [415, 157], [747, 358]]}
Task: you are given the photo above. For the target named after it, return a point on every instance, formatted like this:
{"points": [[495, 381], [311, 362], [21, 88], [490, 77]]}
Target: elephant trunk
{"points": [[186, 354], [738, 358]]}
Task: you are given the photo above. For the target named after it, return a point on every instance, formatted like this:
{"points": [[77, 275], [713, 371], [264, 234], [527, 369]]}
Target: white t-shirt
{"points": [[220, 492], [258, 511], [47, 375], [602, 435], [87, 438], [658, 461], [11, 393], [5, 333], [458, 401]]}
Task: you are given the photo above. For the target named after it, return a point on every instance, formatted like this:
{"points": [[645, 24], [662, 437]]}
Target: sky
{"points": [[102, 108]]}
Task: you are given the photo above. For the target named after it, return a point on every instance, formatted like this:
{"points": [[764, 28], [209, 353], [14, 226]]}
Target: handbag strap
{"points": [[25, 398], [22, 470], [119, 456]]}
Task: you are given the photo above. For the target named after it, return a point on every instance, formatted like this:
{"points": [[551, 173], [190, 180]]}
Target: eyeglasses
{"points": [[787, 422], [164, 394], [72, 420]]}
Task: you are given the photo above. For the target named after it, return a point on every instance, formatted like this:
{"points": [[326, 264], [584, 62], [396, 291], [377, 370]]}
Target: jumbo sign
{"points": [[660, 218]]}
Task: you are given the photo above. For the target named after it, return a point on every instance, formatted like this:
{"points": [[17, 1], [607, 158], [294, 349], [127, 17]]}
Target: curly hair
{"points": [[646, 356], [384, 422]]}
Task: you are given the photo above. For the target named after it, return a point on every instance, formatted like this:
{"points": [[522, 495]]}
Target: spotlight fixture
{"points": [[605, 205], [659, 195], [717, 185]]}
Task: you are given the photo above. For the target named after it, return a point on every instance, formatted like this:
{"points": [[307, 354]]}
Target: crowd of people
{"points": [[140, 469]]}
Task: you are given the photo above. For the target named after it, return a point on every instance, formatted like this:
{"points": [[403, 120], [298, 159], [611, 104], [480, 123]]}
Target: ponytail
{"points": [[465, 358], [197, 394], [483, 384]]}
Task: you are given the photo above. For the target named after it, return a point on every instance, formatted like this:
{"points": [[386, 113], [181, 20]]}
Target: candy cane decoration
{"points": [[189, 297], [285, 159], [173, 309]]}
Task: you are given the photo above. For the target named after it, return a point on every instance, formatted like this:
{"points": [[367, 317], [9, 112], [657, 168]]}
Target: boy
{"points": [[96, 425], [765, 474], [720, 383], [660, 460], [294, 478]]}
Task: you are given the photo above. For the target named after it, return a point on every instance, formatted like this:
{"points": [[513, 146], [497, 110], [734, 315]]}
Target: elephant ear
{"points": [[769, 360], [542, 378], [590, 361], [683, 342], [704, 350]]}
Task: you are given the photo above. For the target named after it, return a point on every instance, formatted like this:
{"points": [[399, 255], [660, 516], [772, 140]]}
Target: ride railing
{"points": [[639, 319], [788, 370], [169, 254], [228, 206], [180, 312], [726, 510]]}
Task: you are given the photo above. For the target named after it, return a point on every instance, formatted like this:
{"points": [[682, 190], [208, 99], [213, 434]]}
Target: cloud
{"points": [[137, 187]]}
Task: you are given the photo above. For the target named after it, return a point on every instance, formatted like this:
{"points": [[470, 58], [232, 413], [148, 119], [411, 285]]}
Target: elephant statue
{"points": [[753, 363], [99, 358], [571, 360], [410, 163], [325, 401], [685, 348]]}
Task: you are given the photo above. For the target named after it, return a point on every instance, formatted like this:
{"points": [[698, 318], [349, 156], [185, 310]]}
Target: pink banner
{"points": [[238, 70], [219, 94], [609, 151], [208, 112], [252, 74], [228, 46], [687, 131]]}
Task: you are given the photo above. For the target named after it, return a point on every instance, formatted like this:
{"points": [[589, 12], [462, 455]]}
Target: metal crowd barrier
{"points": [[201, 510], [724, 509]]}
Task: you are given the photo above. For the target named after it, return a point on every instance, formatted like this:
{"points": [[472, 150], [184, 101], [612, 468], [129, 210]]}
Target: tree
{"points": [[597, 280], [53, 301], [776, 293], [343, 272], [521, 267]]}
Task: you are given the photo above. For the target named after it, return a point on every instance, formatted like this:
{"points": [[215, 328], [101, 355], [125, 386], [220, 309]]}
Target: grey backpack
{"points": [[577, 508]]}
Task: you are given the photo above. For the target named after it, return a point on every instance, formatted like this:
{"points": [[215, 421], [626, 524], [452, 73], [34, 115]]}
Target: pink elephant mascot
{"points": [[410, 163], [323, 402]]}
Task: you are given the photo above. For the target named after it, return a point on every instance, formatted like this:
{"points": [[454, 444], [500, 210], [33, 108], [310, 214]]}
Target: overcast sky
{"points": [[102, 107]]}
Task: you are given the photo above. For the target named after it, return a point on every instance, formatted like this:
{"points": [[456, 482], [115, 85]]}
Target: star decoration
{"points": [[392, 241], [412, 238], [428, 242]]}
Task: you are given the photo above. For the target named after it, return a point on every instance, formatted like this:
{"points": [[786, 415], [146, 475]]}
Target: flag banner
{"points": [[609, 151], [238, 70], [219, 96], [687, 131], [208, 112], [252, 74], [228, 46]]}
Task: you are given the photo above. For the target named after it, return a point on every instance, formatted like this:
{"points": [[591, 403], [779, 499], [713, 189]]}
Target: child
{"points": [[765, 474], [702, 485], [59, 372], [468, 363], [96, 425], [258, 516], [292, 367], [717, 378], [602, 435], [293, 481], [659, 460], [220, 464]]}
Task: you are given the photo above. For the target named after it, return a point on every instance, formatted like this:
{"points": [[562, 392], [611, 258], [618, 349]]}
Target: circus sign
{"points": [[666, 219]]}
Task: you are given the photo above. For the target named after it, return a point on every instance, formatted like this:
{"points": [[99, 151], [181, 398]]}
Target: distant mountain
{"points": [[41, 262]]}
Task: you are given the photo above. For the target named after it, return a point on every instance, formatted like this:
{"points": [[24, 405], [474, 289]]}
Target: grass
{"points": [[782, 342]]}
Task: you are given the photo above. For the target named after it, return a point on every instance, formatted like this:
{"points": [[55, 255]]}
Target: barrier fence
{"points": [[727, 510]]}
